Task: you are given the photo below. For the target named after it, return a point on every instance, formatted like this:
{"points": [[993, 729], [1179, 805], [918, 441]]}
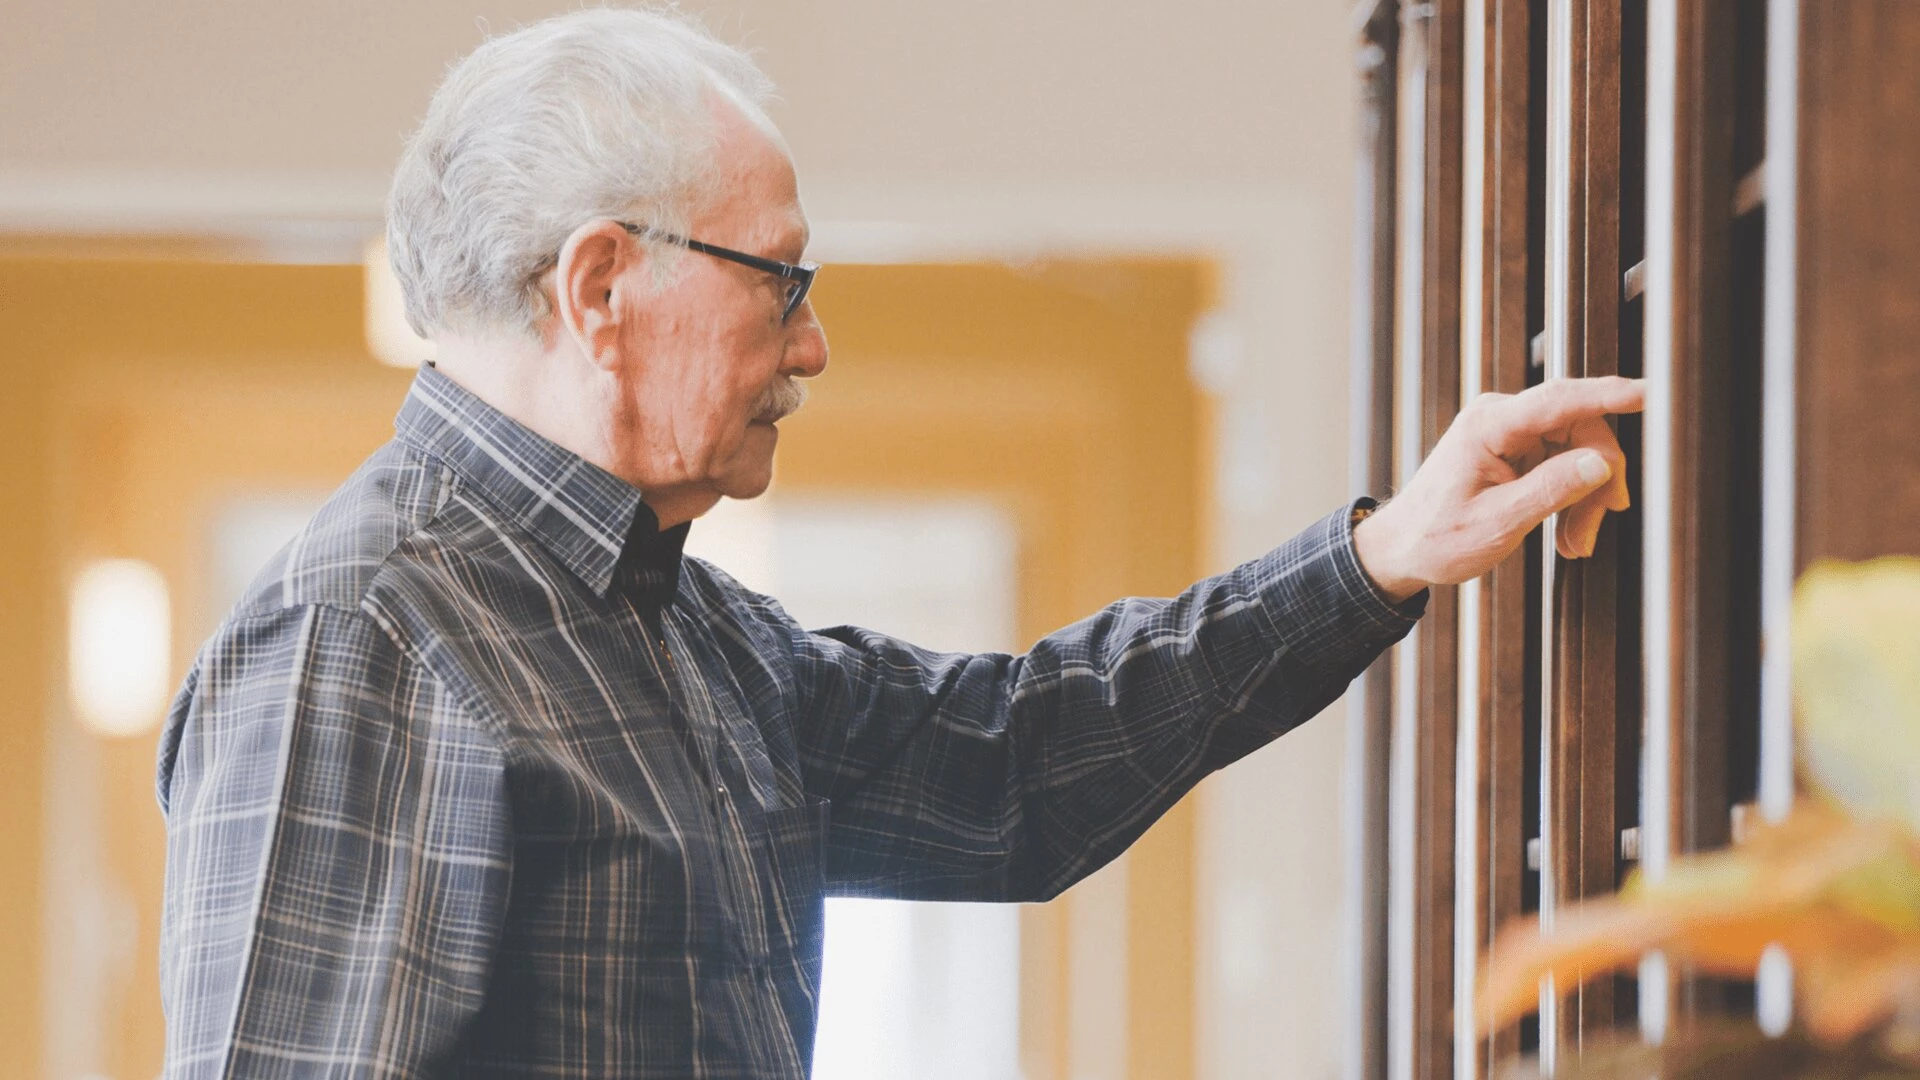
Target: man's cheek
{"points": [[722, 444]]}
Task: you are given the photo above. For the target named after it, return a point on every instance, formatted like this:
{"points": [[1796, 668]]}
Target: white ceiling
{"points": [[291, 109]]}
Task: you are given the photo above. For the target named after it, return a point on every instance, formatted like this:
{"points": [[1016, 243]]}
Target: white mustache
{"points": [[781, 399]]}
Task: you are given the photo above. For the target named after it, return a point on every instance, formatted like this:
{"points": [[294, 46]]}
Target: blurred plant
{"points": [[1716, 1050], [1837, 883]]}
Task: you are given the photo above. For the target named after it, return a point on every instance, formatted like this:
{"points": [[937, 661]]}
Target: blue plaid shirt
{"points": [[482, 778]]}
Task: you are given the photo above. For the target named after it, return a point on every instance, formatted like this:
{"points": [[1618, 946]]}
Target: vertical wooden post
{"points": [[1436, 654], [1579, 834], [1843, 267], [1490, 835], [1691, 582], [1371, 700], [1420, 970]]}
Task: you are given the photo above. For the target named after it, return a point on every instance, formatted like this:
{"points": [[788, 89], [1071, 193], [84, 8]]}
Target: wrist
{"points": [[1376, 545]]}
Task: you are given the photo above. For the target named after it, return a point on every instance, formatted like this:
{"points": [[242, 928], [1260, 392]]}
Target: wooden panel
{"points": [[1687, 491], [1493, 610], [1371, 700], [1712, 376], [1579, 828], [1859, 280], [1438, 642], [1705, 306], [1374, 247], [1406, 1036], [1592, 648]]}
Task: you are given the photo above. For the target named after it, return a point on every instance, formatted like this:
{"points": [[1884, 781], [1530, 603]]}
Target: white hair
{"points": [[601, 113]]}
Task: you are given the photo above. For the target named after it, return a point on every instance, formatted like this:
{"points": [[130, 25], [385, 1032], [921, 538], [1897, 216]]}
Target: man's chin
{"points": [[753, 473], [747, 488]]}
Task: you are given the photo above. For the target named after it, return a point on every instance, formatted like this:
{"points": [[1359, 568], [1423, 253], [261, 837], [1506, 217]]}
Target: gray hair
{"points": [[600, 113]]}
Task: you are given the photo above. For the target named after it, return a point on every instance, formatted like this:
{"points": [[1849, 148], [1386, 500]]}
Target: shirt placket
{"points": [[737, 883]]}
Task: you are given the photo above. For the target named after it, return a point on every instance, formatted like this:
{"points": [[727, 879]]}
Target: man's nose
{"points": [[807, 344]]}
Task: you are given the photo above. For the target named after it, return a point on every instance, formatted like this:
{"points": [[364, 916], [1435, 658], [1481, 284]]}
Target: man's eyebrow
{"points": [[800, 225]]}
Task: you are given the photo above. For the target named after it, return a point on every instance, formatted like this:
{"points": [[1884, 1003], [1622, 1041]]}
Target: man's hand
{"points": [[1507, 462]]}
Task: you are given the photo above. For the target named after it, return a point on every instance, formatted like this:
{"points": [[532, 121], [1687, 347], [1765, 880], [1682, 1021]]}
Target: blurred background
{"points": [[1087, 287]]}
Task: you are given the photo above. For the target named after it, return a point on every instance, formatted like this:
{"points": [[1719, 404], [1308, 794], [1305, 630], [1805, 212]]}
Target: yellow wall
{"points": [[27, 656], [1062, 390], [135, 395], [145, 392]]}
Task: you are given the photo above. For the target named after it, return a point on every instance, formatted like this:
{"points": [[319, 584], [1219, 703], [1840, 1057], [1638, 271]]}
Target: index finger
{"points": [[1518, 423]]}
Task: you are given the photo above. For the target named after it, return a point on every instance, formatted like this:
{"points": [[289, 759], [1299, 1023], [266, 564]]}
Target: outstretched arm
{"points": [[1011, 777], [1004, 777]]}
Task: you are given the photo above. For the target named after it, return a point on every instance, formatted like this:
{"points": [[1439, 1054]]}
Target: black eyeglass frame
{"points": [[801, 274]]}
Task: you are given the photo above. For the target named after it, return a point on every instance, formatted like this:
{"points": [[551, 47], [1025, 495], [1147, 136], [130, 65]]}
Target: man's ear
{"points": [[591, 266]]}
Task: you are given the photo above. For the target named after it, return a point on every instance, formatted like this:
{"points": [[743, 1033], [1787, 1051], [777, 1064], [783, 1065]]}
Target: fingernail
{"points": [[1593, 468]]}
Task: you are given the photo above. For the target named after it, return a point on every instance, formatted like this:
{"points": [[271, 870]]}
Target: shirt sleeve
{"points": [[337, 856], [996, 777]]}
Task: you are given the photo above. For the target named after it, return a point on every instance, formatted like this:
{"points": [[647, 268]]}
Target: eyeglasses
{"points": [[799, 276]]}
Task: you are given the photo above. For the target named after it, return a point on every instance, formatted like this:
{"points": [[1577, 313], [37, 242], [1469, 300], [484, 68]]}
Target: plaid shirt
{"points": [[481, 778]]}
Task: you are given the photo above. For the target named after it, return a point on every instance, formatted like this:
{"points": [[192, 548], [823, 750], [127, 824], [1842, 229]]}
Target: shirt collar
{"points": [[649, 568], [592, 521]]}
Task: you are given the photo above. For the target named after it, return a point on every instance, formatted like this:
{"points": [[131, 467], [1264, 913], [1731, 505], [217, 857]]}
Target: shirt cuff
{"points": [[1321, 602], [1413, 606]]}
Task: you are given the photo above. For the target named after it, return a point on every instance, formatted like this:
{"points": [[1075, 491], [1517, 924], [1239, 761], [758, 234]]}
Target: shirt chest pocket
{"points": [[607, 861], [724, 719], [793, 853]]}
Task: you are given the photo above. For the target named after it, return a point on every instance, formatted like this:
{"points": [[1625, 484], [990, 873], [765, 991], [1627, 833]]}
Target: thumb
{"points": [[1551, 486]]}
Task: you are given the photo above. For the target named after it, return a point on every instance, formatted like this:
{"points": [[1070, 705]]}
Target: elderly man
{"points": [[482, 777]]}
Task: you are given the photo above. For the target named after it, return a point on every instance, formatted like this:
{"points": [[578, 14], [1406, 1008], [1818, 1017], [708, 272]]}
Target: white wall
{"points": [[923, 990], [922, 130]]}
